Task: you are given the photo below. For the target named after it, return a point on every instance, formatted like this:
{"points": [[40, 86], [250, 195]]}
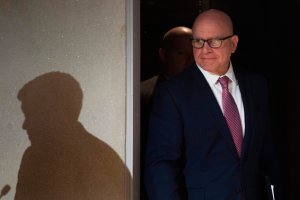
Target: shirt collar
{"points": [[212, 79]]}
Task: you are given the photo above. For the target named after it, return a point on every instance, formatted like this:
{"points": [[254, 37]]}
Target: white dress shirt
{"points": [[233, 87]]}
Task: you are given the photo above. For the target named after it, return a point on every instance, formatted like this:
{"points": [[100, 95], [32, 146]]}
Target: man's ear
{"points": [[162, 54], [235, 40]]}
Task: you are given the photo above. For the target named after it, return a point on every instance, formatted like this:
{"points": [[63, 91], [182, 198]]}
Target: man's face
{"points": [[179, 56], [213, 60]]}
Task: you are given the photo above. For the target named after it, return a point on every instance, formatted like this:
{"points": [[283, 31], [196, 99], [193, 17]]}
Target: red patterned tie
{"points": [[231, 115]]}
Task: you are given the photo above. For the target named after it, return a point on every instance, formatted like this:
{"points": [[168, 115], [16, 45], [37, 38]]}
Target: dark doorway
{"points": [[269, 45]]}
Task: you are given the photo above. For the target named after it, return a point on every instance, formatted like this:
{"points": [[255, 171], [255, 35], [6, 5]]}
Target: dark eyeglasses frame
{"points": [[209, 41]]}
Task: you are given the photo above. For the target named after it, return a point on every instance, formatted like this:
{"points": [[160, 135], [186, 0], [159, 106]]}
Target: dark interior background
{"points": [[269, 32]]}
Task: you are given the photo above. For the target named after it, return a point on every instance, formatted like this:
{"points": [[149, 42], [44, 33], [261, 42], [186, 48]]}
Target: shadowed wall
{"points": [[59, 146], [64, 161]]}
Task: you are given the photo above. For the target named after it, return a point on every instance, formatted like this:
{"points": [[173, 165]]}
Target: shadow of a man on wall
{"points": [[64, 161]]}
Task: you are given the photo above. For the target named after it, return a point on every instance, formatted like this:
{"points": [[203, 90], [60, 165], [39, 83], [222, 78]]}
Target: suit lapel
{"points": [[248, 110], [214, 110]]}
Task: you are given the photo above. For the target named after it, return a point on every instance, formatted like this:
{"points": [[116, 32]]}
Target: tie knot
{"points": [[224, 82]]}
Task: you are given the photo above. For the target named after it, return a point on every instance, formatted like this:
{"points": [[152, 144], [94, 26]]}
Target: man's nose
{"points": [[206, 48]]}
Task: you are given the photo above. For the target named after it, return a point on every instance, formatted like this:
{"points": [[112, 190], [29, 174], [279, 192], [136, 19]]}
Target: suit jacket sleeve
{"points": [[164, 154], [270, 159]]}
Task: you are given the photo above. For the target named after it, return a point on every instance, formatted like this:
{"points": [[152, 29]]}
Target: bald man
{"points": [[176, 54], [209, 136]]}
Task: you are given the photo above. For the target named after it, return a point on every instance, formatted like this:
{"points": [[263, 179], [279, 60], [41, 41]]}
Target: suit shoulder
{"points": [[182, 79], [149, 82], [147, 86]]}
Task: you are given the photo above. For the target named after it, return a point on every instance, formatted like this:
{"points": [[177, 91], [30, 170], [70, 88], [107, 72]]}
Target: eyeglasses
{"points": [[212, 43]]}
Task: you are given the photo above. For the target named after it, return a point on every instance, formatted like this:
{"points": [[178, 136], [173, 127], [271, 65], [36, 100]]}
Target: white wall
{"points": [[83, 38]]}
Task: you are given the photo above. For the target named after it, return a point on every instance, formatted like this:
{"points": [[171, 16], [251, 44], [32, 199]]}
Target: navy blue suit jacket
{"points": [[190, 153]]}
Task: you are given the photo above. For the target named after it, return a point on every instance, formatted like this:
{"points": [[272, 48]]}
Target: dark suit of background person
{"points": [[176, 54], [190, 152]]}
